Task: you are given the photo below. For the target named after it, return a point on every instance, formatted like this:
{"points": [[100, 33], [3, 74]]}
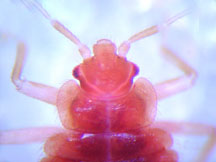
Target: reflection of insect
{"points": [[107, 118]]}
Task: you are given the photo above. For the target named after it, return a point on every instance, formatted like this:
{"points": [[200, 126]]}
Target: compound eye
{"points": [[76, 72], [136, 69]]}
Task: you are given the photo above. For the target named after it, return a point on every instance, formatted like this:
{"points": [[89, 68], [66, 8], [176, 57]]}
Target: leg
{"points": [[173, 86], [84, 50], [125, 46], [28, 135], [192, 129], [39, 91]]}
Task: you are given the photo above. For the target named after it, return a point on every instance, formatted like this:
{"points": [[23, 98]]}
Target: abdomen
{"points": [[147, 145]]}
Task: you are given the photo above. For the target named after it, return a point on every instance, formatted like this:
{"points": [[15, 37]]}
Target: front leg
{"points": [[173, 86], [36, 90]]}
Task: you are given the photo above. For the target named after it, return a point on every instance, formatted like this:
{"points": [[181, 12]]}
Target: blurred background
{"points": [[52, 57]]}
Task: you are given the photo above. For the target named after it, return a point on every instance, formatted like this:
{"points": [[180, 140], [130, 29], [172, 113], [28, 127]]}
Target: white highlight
{"points": [[144, 5], [86, 135]]}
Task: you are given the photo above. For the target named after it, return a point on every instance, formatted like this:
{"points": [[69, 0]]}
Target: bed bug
{"points": [[107, 118]]}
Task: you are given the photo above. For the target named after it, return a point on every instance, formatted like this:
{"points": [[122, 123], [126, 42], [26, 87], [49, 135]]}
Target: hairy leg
{"points": [[28, 135], [175, 85], [36, 90], [187, 128]]}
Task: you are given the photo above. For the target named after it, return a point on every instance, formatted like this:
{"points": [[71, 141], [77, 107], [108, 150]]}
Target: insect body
{"points": [[107, 117]]}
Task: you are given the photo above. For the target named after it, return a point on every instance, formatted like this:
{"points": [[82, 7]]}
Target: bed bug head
{"points": [[105, 74]]}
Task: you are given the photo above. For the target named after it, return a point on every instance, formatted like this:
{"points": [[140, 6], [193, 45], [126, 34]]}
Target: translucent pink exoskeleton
{"points": [[107, 117]]}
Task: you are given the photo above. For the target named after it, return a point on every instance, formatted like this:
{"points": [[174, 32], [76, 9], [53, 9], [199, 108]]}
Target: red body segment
{"points": [[139, 145], [87, 114], [108, 119]]}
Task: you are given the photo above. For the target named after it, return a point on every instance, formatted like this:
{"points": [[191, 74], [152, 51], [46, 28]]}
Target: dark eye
{"points": [[136, 70], [76, 72]]}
